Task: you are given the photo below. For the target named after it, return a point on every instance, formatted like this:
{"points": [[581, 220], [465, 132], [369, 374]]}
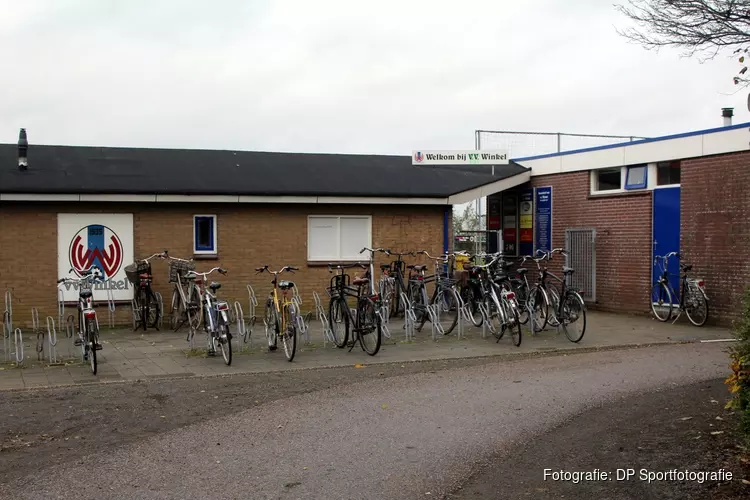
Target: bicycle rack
{"points": [[136, 314], [111, 307], [252, 303], [39, 334], [386, 289], [485, 320], [242, 331], [302, 325], [18, 341], [410, 318], [7, 323], [323, 318], [437, 327], [52, 338], [464, 316], [385, 320]]}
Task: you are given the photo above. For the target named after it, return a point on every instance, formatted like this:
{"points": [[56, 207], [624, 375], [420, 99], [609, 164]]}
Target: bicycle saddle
{"points": [[85, 294], [687, 268], [417, 267], [360, 281], [286, 285], [385, 267], [522, 271], [568, 270], [214, 286]]}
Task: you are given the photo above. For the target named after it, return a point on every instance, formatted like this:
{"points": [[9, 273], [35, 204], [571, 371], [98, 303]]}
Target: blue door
{"points": [[666, 225]]}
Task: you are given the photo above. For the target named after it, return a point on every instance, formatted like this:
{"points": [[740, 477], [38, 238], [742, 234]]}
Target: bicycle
{"points": [[88, 324], [692, 293], [568, 307], [215, 314], [185, 303], [444, 300], [280, 318], [500, 311], [396, 272], [147, 309], [534, 300], [366, 320]]}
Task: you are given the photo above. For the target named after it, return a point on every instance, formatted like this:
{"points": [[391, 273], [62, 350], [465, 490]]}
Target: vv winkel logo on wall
{"points": [[99, 246]]}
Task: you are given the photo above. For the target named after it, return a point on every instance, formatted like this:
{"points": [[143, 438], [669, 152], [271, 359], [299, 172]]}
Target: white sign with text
{"points": [[101, 240], [484, 157]]}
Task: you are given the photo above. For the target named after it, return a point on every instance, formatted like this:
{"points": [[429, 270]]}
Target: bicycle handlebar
{"points": [[87, 275], [388, 251], [162, 255], [283, 269], [347, 266], [373, 250], [192, 274]]}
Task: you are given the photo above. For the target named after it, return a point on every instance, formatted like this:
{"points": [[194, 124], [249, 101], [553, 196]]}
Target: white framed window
{"points": [[607, 180], [204, 235], [338, 238]]}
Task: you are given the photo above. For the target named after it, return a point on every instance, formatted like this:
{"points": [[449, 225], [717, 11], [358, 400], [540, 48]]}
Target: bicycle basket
{"points": [[132, 271], [179, 268]]}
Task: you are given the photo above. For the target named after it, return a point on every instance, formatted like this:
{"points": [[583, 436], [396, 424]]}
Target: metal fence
{"points": [[522, 144], [581, 246]]}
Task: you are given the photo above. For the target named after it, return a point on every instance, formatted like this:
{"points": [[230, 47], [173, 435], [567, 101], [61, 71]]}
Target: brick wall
{"points": [[715, 227], [249, 236], [623, 237]]}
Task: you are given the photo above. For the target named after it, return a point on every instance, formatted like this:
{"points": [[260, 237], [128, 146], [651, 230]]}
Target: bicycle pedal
{"points": [[78, 343], [98, 347]]}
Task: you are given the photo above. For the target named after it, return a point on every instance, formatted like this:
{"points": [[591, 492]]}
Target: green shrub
{"points": [[739, 380]]}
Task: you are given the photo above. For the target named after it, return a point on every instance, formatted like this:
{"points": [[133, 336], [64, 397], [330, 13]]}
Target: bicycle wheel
{"points": [[338, 321], [177, 312], [495, 314], [661, 301], [90, 344], [513, 322], [289, 336], [194, 308], [447, 302], [225, 343], [696, 306], [272, 324], [573, 319], [419, 300], [469, 297], [553, 297], [522, 293], [538, 306], [369, 326], [154, 313]]}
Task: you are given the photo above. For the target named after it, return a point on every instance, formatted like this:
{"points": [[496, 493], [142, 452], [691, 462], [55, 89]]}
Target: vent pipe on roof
{"points": [[23, 148], [727, 113]]}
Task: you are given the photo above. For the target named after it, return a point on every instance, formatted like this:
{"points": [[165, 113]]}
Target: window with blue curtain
{"points": [[204, 234]]}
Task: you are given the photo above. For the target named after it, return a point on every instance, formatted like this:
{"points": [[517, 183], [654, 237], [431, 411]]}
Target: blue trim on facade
{"points": [[633, 143]]}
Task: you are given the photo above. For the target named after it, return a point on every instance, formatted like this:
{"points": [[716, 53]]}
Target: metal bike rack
{"points": [[252, 303], [242, 330], [437, 327], [323, 318], [52, 338], [7, 323], [39, 334], [464, 316], [410, 318], [485, 320], [18, 341], [111, 307], [302, 321], [135, 314]]}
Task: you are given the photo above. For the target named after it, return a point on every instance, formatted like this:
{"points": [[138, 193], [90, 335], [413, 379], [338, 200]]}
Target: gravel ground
{"points": [[684, 428], [343, 433]]}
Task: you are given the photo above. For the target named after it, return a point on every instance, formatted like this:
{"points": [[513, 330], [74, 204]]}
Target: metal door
{"points": [[581, 246], [666, 232]]}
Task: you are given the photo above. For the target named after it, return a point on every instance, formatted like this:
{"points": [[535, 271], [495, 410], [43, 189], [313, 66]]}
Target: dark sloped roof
{"points": [[89, 170]]}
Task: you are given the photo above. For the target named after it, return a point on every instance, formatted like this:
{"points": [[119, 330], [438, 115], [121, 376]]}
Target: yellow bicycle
{"points": [[281, 316]]}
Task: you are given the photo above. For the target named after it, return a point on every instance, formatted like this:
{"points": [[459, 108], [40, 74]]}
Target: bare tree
{"points": [[701, 28]]}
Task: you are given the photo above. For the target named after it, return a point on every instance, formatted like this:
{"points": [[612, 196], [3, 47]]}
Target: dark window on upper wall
{"points": [[667, 172], [608, 179], [204, 234]]}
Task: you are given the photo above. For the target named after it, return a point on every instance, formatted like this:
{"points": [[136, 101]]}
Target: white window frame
{"points": [[215, 245], [594, 180], [338, 258]]}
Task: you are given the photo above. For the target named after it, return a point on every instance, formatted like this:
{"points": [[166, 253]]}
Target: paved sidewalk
{"points": [[129, 355]]}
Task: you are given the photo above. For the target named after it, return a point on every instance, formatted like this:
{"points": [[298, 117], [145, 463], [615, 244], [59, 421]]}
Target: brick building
{"points": [[614, 207], [65, 206]]}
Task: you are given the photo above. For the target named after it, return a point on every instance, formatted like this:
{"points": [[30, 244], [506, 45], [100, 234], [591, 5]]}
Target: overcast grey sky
{"points": [[339, 76]]}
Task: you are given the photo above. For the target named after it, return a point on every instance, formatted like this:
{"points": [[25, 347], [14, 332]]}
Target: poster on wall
{"points": [[510, 216], [543, 219], [493, 212], [526, 223], [101, 240]]}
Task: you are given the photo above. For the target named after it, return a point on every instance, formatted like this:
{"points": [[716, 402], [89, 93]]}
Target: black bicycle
{"points": [[693, 298], [397, 270], [147, 308], [567, 307], [367, 326]]}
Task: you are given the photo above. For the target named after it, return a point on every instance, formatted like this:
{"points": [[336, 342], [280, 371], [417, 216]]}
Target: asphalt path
{"points": [[411, 436]]}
